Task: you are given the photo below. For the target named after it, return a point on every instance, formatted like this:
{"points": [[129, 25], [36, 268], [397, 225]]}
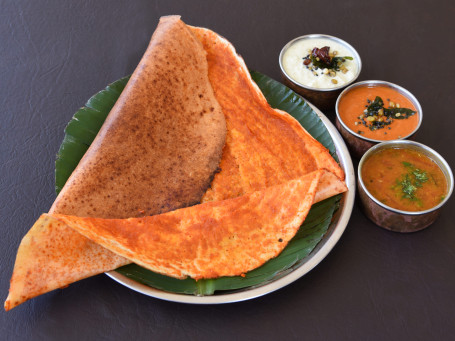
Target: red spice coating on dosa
{"points": [[210, 240], [264, 146]]}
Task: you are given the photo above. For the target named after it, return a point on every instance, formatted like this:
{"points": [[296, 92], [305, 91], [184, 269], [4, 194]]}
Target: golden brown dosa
{"points": [[264, 147], [214, 239], [157, 151], [161, 143]]}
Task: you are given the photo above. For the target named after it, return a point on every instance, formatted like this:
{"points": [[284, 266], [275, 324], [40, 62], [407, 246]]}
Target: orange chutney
{"points": [[404, 179], [354, 102]]}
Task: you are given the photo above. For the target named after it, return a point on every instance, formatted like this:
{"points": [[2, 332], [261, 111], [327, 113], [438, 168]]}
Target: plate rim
{"points": [[322, 249]]}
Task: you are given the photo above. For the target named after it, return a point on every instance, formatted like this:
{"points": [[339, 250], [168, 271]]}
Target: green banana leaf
{"points": [[87, 121]]}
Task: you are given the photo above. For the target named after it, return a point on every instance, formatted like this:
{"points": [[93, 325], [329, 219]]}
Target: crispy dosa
{"points": [[264, 146], [254, 158], [157, 151], [161, 143], [49, 258], [214, 239]]}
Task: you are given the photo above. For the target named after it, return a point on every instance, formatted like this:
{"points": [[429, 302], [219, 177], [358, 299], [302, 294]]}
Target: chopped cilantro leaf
{"points": [[407, 187], [412, 180], [407, 164], [420, 177]]}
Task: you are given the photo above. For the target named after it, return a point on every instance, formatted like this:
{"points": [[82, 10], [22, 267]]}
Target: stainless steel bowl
{"points": [[323, 98], [394, 219], [357, 143]]}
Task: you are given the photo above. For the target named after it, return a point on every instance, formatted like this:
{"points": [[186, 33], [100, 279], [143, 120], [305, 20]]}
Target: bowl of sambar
{"points": [[403, 185]]}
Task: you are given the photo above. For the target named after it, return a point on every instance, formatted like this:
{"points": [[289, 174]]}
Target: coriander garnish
{"points": [[411, 181], [407, 187], [420, 177]]}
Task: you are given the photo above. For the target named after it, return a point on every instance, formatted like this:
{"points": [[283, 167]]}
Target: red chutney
{"points": [[404, 179], [353, 103]]}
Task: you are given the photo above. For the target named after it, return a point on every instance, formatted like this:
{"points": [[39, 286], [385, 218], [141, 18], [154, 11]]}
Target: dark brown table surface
{"points": [[374, 285]]}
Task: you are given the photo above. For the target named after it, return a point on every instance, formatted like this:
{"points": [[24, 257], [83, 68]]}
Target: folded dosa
{"points": [[214, 239], [161, 143], [157, 151], [264, 147]]}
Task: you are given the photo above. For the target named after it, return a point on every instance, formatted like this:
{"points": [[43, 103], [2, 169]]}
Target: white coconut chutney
{"points": [[306, 75]]}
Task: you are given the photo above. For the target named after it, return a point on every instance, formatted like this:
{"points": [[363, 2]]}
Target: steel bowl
{"points": [[357, 143], [322, 98], [391, 218]]}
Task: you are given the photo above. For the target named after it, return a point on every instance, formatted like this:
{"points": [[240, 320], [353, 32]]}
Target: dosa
{"points": [[161, 144], [264, 146], [157, 151], [214, 239], [243, 171]]}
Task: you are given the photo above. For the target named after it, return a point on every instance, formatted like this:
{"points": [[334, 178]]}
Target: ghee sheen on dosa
{"points": [[157, 151], [242, 170]]}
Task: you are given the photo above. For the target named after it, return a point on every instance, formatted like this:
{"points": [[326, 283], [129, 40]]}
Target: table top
{"points": [[374, 285]]}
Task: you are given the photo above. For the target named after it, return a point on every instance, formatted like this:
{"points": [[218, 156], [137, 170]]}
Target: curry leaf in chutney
{"points": [[322, 59], [375, 106], [378, 116], [403, 113]]}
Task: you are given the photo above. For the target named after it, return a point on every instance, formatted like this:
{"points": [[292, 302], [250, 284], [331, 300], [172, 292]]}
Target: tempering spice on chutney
{"points": [[378, 112], [404, 179]]}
